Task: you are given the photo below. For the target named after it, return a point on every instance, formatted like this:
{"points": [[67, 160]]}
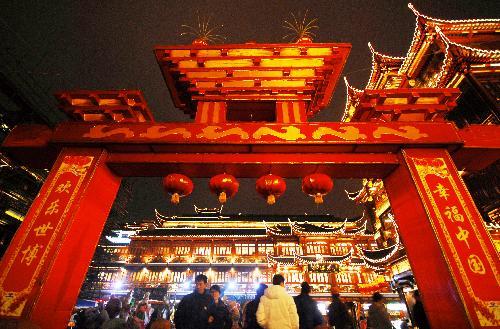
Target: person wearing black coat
{"points": [[338, 315], [250, 310], [192, 311], [307, 308], [218, 312]]}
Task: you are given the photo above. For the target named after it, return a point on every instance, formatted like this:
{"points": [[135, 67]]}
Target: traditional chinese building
{"points": [[462, 54], [239, 251]]}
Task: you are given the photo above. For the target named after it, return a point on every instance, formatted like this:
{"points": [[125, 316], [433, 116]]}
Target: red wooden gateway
{"points": [[250, 103]]}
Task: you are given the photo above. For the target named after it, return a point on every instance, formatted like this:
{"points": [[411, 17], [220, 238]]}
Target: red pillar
{"points": [[450, 251], [44, 267]]}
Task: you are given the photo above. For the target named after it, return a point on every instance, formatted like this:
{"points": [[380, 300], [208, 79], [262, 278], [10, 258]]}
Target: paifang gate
{"points": [[251, 103]]}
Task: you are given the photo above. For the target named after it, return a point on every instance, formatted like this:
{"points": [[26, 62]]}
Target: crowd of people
{"points": [[272, 308]]}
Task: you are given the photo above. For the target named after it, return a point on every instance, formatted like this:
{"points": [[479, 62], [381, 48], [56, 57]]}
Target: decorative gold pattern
{"points": [[99, 132], [349, 133], [212, 132], [408, 132], [159, 132], [291, 133]]}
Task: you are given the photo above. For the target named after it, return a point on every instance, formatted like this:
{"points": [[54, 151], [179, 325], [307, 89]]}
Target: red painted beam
{"points": [[290, 165]]}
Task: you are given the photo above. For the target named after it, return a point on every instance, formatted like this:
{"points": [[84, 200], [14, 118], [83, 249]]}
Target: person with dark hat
{"points": [[250, 310], [218, 311], [338, 316], [307, 308]]}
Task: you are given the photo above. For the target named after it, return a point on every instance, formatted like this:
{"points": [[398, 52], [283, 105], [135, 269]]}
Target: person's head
{"points": [[215, 292], [305, 288], [416, 295], [278, 280], [113, 307], [377, 297], [200, 282], [142, 306], [260, 290], [335, 293]]}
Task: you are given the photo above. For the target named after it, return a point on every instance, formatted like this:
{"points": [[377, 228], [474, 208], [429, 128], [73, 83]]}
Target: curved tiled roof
{"points": [[212, 232]]}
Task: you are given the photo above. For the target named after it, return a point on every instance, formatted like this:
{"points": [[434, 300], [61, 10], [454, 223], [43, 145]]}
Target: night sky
{"points": [[108, 45]]}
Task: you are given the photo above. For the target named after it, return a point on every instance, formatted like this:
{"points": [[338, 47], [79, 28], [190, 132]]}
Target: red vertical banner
{"points": [[464, 241], [47, 232]]}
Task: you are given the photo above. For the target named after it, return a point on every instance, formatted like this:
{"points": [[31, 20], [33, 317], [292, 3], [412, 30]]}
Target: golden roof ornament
{"points": [[300, 28], [203, 32]]}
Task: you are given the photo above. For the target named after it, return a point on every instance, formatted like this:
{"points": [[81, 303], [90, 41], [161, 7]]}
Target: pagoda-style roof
{"points": [[204, 232], [252, 72], [307, 228], [469, 33], [384, 70]]}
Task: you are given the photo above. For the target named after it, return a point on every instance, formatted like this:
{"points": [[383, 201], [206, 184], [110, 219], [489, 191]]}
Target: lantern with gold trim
{"points": [[270, 187], [177, 186], [224, 185], [317, 185]]}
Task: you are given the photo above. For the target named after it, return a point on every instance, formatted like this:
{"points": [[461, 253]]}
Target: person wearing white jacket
{"points": [[277, 309]]}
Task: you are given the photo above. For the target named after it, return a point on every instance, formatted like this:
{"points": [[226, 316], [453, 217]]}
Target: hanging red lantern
{"points": [[224, 185], [178, 186], [271, 187], [317, 185]]}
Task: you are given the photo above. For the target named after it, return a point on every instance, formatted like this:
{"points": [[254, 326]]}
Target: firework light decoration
{"points": [[300, 27], [203, 32]]}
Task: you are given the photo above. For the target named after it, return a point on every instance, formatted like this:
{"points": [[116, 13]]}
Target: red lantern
{"points": [[224, 185], [178, 186], [271, 187], [317, 185]]}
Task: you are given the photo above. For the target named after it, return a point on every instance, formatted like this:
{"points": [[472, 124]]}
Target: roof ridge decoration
{"points": [[296, 228], [426, 24], [380, 62], [324, 259], [451, 21], [351, 102], [388, 251], [473, 56]]}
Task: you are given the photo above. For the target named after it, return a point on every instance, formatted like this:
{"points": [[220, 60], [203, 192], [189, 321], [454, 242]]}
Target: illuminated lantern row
{"points": [[269, 186], [317, 185], [224, 185]]}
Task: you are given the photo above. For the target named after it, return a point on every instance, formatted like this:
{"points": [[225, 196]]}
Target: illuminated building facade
{"points": [[239, 251]]}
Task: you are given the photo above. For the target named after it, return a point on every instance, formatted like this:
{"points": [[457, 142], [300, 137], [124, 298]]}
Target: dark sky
{"points": [[108, 45]]}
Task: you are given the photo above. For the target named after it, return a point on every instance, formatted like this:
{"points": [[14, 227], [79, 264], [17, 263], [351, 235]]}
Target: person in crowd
{"points": [[307, 308], [277, 309], [160, 324], [113, 308], [140, 314], [234, 311], [378, 317], [363, 324], [192, 311], [218, 311], [250, 310], [405, 324], [338, 316], [418, 312]]}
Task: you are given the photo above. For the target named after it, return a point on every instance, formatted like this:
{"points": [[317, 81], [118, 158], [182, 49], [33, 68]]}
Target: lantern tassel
{"points": [[271, 199], [318, 198], [175, 198], [222, 197]]}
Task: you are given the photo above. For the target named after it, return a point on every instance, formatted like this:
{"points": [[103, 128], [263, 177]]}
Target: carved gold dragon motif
{"points": [[159, 132], [408, 132], [214, 132], [100, 131], [349, 133], [291, 133]]}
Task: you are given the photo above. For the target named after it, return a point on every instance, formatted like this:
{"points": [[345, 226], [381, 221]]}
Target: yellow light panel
{"points": [[188, 64], [290, 51], [256, 73], [249, 52], [229, 63], [292, 62], [302, 73], [239, 83], [209, 53], [206, 74], [205, 84], [283, 83], [180, 53], [319, 51]]}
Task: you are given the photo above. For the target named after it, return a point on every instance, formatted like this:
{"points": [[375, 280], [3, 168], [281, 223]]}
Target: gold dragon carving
{"points": [[215, 132], [159, 132], [349, 133], [100, 131], [290, 133], [408, 132]]}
